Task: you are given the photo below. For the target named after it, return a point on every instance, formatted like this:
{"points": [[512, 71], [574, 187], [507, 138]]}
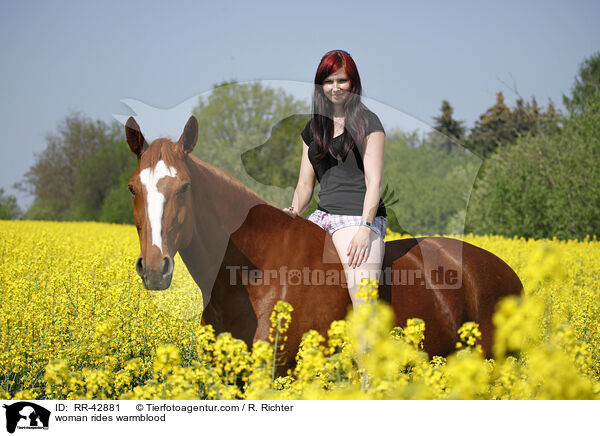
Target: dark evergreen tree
{"points": [[452, 129], [492, 129], [500, 126]]}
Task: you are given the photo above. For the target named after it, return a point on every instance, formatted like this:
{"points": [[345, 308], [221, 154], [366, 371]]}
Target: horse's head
{"points": [[162, 204]]}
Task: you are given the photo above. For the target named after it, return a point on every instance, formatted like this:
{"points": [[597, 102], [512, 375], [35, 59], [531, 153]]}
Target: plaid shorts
{"points": [[331, 222]]}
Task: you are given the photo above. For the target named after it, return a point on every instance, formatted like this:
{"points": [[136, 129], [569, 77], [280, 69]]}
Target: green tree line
{"points": [[524, 170], [546, 183]]}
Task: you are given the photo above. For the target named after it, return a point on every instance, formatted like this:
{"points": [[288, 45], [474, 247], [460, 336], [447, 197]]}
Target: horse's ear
{"points": [[135, 138], [189, 137]]}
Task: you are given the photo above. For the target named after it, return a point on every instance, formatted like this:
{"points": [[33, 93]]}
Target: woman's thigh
{"points": [[371, 268]]}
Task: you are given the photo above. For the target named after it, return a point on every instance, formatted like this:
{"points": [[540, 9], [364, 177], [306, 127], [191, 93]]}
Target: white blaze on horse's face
{"points": [[155, 199]]}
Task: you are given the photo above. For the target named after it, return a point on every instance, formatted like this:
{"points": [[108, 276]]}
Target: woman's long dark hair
{"points": [[322, 110]]}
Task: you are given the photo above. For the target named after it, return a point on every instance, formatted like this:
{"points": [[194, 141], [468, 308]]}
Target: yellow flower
{"points": [[76, 323]]}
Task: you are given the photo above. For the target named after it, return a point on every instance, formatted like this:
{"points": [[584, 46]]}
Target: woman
{"points": [[342, 148]]}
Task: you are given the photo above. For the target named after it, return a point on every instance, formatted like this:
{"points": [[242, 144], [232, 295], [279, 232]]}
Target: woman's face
{"points": [[336, 87]]}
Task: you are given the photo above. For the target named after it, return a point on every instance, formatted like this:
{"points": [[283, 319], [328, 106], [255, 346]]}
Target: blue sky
{"points": [[62, 56]]}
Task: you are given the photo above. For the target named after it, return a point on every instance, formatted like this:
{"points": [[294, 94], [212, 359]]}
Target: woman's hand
{"points": [[290, 211], [358, 249]]}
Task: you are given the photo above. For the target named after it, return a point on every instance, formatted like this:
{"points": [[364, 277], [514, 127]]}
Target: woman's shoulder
{"points": [[373, 122], [306, 134]]}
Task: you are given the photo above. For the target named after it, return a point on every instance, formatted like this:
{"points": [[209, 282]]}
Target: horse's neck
{"points": [[222, 197], [221, 204]]}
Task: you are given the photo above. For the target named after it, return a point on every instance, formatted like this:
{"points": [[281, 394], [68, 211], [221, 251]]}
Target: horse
{"points": [[246, 255]]}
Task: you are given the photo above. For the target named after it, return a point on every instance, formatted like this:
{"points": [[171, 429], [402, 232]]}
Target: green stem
{"points": [[275, 351]]}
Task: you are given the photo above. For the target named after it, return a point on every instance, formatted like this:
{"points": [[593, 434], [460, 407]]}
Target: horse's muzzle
{"points": [[157, 278]]}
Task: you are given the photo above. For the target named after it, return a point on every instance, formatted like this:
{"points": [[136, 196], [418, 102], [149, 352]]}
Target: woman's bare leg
{"points": [[371, 268]]}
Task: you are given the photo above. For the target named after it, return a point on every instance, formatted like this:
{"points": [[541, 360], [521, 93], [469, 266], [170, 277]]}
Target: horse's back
{"points": [[445, 282]]}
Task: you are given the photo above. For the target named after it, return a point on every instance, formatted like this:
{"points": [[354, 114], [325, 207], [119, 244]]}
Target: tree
{"points": [[277, 161], [500, 126], [586, 87], [492, 129], [543, 186], [82, 161], [101, 191], [426, 187], [117, 206], [9, 209], [253, 132], [529, 119], [547, 183], [454, 130]]}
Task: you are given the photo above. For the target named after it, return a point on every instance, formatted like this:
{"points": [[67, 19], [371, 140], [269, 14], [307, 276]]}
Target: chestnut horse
{"points": [[245, 255]]}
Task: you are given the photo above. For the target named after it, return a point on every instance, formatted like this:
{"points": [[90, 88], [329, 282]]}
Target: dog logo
{"points": [[26, 415]]}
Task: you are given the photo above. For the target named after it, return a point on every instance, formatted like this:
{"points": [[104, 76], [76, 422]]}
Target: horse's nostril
{"points": [[167, 266], [139, 265]]}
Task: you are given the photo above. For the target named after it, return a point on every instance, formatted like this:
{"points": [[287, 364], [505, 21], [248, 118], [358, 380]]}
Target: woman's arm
{"points": [[305, 186], [373, 164], [358, 249]]}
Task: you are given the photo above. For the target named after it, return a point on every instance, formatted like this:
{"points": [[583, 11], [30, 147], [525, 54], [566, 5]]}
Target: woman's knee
{"points": [[363, 272]]}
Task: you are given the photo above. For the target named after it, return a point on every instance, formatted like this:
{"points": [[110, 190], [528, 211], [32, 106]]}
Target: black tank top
{"points": [[342, 181]]}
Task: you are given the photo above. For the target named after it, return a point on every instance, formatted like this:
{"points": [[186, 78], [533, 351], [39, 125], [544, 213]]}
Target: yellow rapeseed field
{"points": [[75, 323]]}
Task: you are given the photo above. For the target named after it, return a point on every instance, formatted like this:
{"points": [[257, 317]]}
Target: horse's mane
{"points": [[224, 177], [269, 213]]}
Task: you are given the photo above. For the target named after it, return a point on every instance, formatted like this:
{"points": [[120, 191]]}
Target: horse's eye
{"points": [[183, 189], [131, 190]]}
